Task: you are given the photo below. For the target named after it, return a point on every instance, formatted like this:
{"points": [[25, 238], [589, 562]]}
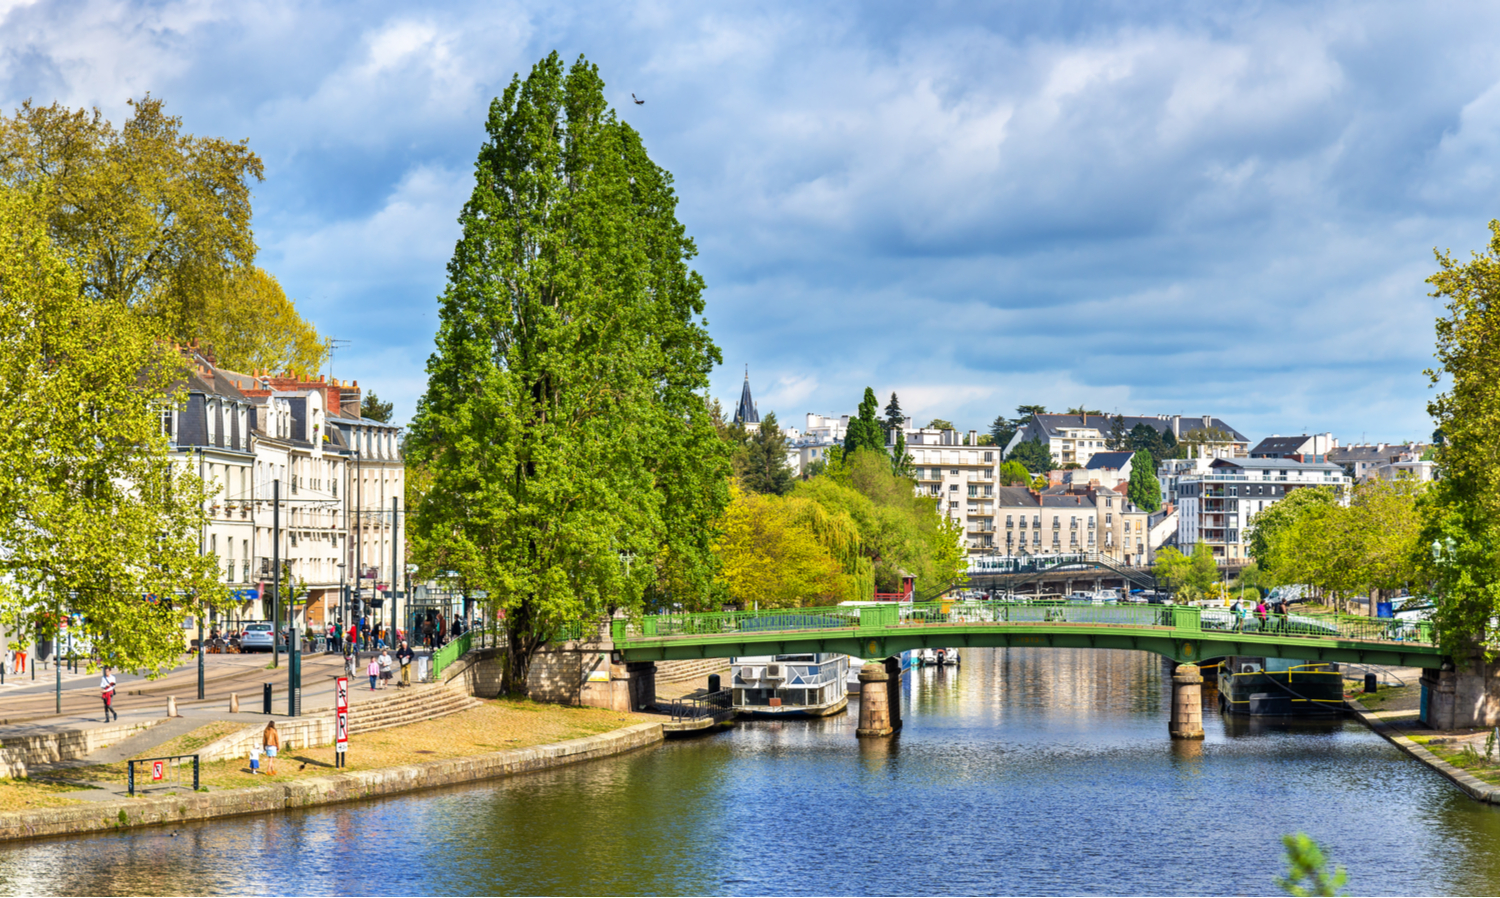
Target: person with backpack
{"points": [[1237, 610], [1261, 613]]}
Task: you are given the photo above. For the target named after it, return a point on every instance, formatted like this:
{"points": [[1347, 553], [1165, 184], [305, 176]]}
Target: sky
{"points": [[1146, 208]]}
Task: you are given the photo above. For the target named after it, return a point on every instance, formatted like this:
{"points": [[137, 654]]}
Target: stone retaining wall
{"points": [[691, 669], [174, 809], [19, 753], [299, 732], [480, 672], [1471, 785]]}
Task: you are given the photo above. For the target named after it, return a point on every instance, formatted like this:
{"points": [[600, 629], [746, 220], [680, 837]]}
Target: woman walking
{"points": [[385, 668]]}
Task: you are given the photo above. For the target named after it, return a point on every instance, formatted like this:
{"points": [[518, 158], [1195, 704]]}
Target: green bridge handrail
{"points": [[486, 637], [1183, 620]]}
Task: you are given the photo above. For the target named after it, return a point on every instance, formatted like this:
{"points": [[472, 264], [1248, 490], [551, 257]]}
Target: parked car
{"points": [[256, 637]]}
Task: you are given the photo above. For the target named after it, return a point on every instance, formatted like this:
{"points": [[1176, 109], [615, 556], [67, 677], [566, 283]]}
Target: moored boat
{"points": [[947, 657], [809, 685], [1280, 687]]}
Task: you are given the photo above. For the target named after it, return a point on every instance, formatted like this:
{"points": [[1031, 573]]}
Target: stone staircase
{"points": [[403, 706]]}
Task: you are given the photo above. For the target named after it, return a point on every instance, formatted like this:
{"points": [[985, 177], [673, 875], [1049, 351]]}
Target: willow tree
{"points": [[96, 521], [574, 468]]}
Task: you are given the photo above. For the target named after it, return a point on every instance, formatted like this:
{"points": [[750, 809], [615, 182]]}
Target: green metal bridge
{"points": [[1180, 632]]}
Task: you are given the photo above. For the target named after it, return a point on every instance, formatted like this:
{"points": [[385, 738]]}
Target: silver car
{"points": [[256, 638]]}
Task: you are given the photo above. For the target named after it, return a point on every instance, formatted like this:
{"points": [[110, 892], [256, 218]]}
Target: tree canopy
{"points": [[766, 469], [1034, 455], [372, 408], [1144, 489], [866, 430], [95, 518], [940, 424], [574, 466]]}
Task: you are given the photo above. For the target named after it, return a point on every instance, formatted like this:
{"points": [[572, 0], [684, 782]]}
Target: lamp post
{"points": [[343, 597], [359, 539], [275, 572], [199, 615]]}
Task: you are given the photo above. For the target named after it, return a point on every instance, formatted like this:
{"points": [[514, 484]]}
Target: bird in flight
{"points": [[637, 102]]}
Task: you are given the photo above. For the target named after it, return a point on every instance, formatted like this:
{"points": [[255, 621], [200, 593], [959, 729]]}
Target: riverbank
{"points": [[1396, 723], [388, 762]]}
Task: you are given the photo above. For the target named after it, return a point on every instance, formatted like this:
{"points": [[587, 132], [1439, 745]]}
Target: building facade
{"points": [[1075, 438], [1070, 520], [962, 475], [1217, 507]]}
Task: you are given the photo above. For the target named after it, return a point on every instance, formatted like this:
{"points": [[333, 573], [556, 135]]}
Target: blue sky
{"points": [[1151, 208]]}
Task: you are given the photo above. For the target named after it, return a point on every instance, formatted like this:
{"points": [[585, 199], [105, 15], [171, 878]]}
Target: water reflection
{"points": [[1024, 771]]}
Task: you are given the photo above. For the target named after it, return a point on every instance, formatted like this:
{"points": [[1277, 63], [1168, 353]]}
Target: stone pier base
{"points": [[583, 672], [874, 701], [1468, 696], [1187, 703]]}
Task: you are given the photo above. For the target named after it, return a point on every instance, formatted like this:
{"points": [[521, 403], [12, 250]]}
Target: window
{"points": [[1110, 519], [973, 491], [952, 487], [1010, 522], [166, 423]]}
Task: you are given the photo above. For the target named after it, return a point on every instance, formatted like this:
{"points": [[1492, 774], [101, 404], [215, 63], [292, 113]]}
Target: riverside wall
{"points": [[128, 813]]}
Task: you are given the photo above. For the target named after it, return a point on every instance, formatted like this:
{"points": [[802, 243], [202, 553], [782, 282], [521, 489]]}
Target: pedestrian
{"points": [[107, 690], [1283, 612], [1238, 611], [270, 740], [353, 635], [385, 668], [404, 656], [1260, 613], [20, 661], [374, 672], [440, 631], [427, 633]]}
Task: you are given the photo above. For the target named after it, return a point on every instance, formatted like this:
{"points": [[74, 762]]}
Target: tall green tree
{"points": [[865, 429], [895, 419], [1118, 437], [940, 424], [766, 470], [575, 467], [1144, 489], [1034, 455], [371, 407], [1013, 473], [1145, 438], [1266, 529], [1001, 430], [902, 464], [1461, 513], [95, 517]]}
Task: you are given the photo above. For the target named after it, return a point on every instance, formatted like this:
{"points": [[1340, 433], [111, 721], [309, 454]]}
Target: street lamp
{"points": [[343, 598]]}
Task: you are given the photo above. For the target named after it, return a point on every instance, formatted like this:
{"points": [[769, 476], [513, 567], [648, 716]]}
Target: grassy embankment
{"points": [[496, 725]]}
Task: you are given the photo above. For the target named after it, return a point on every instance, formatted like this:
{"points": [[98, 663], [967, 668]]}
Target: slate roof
{"points": [[1112, 460], [1261, 464], [1280, 446], [745, 412], [1053, 425]]}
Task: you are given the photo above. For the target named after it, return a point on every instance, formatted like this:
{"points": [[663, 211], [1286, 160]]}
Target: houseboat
{"points": [[1280, 687], [947, 657], [811, 685]]}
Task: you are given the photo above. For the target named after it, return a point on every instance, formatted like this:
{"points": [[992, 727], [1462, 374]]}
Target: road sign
{"points": [[158, 770], [341, 695], [341, 732]]}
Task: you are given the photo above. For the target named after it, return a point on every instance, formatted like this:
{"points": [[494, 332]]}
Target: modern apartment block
{"points": [[1383, 461], [1217, 507], [1075, 438], [1307, 447], [963, 478]]}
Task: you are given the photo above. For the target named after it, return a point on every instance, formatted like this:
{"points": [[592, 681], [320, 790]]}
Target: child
{"points": [[374, 671]]}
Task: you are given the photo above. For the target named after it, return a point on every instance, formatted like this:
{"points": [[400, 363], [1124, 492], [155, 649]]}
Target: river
{"points": [[1030, 771]]}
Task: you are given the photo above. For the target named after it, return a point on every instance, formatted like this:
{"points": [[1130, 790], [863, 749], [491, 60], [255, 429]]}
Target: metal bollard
{"points": [[266, 699], [1370, 683]]}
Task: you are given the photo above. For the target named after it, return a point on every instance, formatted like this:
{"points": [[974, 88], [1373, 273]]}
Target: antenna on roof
{"points": [[333, 343]]}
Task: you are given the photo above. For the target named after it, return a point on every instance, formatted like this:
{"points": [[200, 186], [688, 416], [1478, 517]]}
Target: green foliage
{"points": [[1033, 455], [1013, 473], [766, 470], [375, 410], [1144, 489], [899, 531], [895, 419], [1307, 869], [1267, 529], [1145, 438], [865, 429], [1461, 513], [1080, 410], [575, 469], [1197, 443], [1186, 576], [1002, 430], [785, 552], [1118, 439], [939, 424], [95, 517], [1040, 482], [901, 460]]}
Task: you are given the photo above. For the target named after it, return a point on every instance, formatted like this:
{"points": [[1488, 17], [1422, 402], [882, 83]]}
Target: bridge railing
{"points": [[1185, 620]]}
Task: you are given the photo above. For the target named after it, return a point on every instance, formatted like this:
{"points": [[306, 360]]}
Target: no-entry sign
{"points": [[158, 770], [341, 716]]}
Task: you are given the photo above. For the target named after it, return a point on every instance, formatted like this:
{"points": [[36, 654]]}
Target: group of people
{"points": [[1262, 613], [380, 667], [15, 661]]}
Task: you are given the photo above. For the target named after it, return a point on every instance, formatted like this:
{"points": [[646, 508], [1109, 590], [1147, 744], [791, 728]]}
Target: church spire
{"points": [[745, 412]]}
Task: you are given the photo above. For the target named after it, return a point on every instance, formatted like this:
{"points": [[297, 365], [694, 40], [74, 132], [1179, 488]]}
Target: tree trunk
{"points": [[522, 644]]}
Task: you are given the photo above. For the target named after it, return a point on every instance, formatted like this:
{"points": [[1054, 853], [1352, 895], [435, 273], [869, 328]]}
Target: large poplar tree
{"points": [[574, 466]]}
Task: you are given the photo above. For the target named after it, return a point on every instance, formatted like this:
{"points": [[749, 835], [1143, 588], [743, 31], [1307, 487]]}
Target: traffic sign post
{"points": [[341, 721]]}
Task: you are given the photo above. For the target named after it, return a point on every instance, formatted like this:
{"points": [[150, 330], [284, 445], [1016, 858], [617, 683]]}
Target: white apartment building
{"points": [[211, 432], [376, 476], [1216, 507], [822, 433], [1383, 461], [963, 478], [1064, 520]]}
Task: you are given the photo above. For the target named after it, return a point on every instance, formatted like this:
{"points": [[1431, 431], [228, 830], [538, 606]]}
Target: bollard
{"points": [[234, 703], [1370, 683], [266, 696], [713, 683], [171, 706], [874, 702], [1187, 703]]}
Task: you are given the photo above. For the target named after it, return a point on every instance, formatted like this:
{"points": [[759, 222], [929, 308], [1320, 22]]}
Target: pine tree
{"points": [[901, 460], [766, 470], [1117, 436], [894, 418], [1034, 455], [574, 464], [865, 431]]}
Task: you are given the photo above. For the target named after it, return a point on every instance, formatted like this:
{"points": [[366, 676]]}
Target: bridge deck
{"points": [[1180, 632]]}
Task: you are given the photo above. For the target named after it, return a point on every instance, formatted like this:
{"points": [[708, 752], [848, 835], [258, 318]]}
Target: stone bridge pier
{"points": [[879, 699], [586, 672]]}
